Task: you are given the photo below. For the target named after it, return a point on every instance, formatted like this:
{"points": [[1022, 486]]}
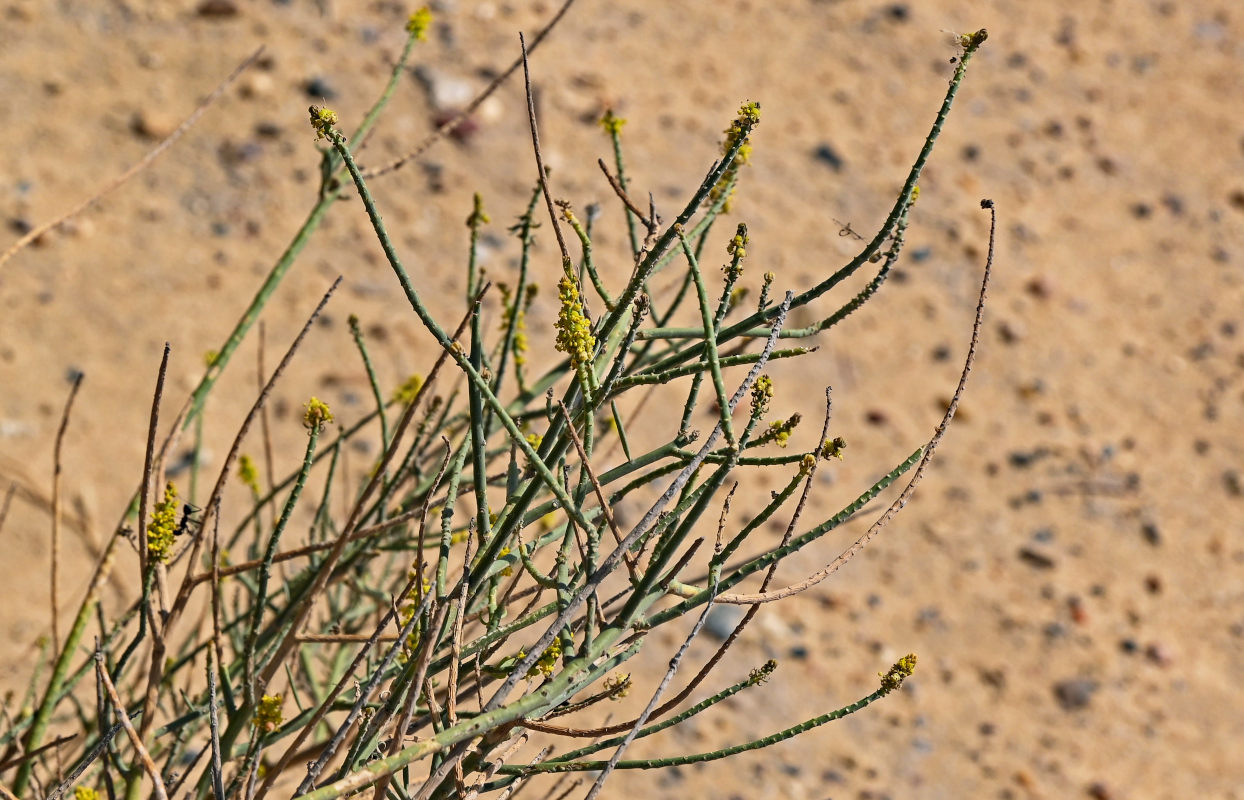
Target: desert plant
{"points": [[481, 585]]}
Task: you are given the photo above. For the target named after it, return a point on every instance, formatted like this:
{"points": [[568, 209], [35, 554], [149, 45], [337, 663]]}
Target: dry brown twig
{"points": [[139, 166], [56, 471], [136, 740]]}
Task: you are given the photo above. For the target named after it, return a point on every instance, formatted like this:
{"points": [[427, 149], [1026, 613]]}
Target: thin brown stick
{"points": [[8, 501], [452, 125], [56, 471], [647, 221], [144, 493], [138, 167], [57, 742], [135, 739], [535, 143], [341, 638], [600, 492], [905, 496]]}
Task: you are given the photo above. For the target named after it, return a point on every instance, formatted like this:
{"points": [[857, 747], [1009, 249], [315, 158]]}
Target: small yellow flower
{"points": [[317, 415], [738, 245], [477, 216], [85, 793], [535, 440], [832, 448], [209, 361], [618, 685], [548, 660], [507, 571], [409, 388], [323, 120], [162, 529], [268, 713], [419, 23], [611, 123], [762, 393], [574, 334], [915, 194], [894, 678], [248, 473], [762, 673]]}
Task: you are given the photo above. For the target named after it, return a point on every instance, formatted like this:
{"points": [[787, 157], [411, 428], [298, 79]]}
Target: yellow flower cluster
{"points": [[477, 216], [762, 673], [749, 116], [574, 334], [323, 120], [611, 123], [512, 309], [419, 23], [268, 713], [780, 429], [762, 393], [894, 678], [162, 529], [85, 793], [618, 685], [507, 571], [548, 660], [412, 639], [738, 245], [248, 473], [832, 448], [317, 415], [409, 388]]}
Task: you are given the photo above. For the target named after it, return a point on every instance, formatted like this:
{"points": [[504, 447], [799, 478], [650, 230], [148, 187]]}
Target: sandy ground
{"points": [[1071, 573]]}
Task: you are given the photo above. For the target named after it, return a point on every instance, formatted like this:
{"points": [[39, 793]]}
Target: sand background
{"points": [[1079, 528]]}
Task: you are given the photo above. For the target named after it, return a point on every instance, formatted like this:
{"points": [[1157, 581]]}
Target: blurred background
{"points": [[1071, 572]]}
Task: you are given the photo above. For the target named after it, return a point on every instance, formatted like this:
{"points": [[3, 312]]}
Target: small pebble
{"points": [[828, 156], [1079, 614], [1159, 654], [216, 9], [1035, 558], [318, 88], [898, 12], [154, 124], [1099, 791], [1074, 694], [1151, 533]]}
